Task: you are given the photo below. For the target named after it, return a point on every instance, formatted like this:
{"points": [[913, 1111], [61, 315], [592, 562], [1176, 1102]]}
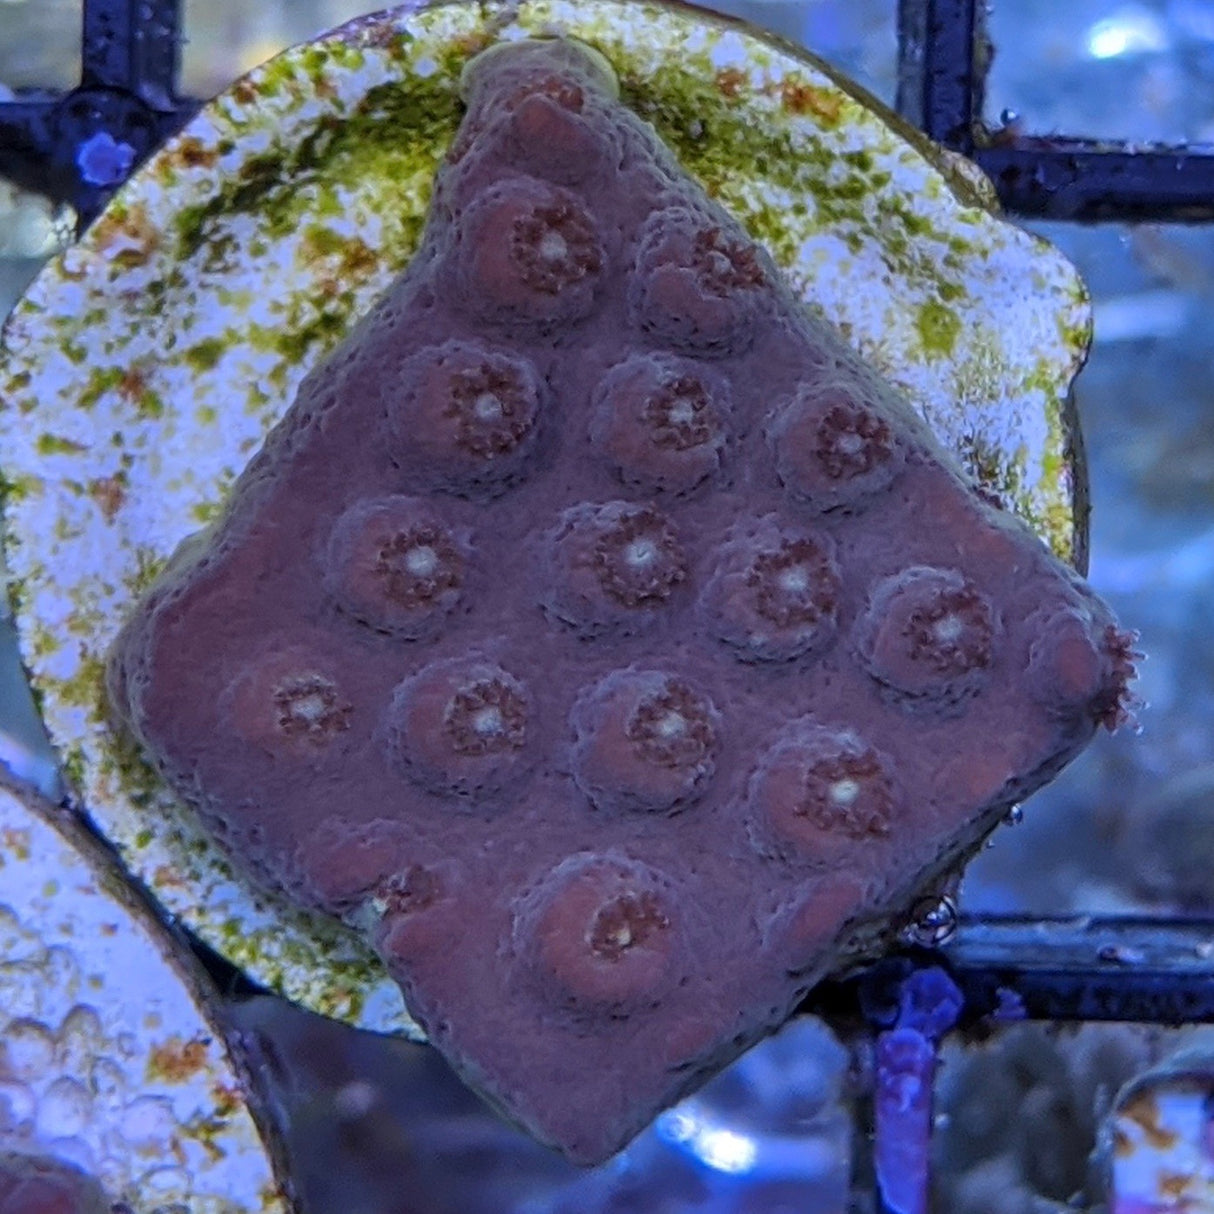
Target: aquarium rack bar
{"points": [[943, 53], [1082, 968], [127, 96]]}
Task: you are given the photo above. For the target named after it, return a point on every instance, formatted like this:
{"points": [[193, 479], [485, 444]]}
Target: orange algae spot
{"points": [[15, 842], [177, 1060], [129, 233], [823, 104], [1175, 1184], [165, 875], [1144, 1113], [226, 1099], [109, 492], [133, 384], [192, 153], [729, 81]]}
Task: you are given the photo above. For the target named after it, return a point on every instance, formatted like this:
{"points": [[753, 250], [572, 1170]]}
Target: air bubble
{"points": [[933, 923]]}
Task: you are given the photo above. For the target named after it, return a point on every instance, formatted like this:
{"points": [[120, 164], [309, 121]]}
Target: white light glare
{"points": [[720, 1149], [1129, 31]]}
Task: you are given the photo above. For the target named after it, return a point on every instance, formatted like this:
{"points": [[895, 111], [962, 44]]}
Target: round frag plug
{"points": [[774, 592], [461, 726], [820, 791], [527, 256], [928, 635], [601, 933], [644, 741], [612, 566], [699, 284], [832, 450], [393, 564], [661, 422], [464, 417]]}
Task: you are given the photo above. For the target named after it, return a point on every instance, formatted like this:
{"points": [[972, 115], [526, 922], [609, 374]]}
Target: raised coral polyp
{"points": [[593, 630]]}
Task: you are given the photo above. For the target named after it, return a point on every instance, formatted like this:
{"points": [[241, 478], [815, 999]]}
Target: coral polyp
{"points": [[600, 934], [527, 255], [700, 285], [661, 422], [394, 565], [611, 567], [819, 790], [929, 634], [832, 449], [288, 701], [464, 417], [644, 741], [460, 726], [637, 558], [774, 593]]}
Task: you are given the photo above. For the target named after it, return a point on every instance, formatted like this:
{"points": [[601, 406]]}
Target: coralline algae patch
{"points": [[111, 1077], [145, 367], [614, 743]]}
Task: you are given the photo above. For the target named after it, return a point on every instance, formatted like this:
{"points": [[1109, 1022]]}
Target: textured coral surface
{"points": [[599, 633]]}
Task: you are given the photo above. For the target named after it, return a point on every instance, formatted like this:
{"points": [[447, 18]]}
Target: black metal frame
{"points": [[1087, 969], [943, 54]]}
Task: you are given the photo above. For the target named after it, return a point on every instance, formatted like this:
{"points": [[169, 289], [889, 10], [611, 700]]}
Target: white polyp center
{"points": [[948, 629], [640, 552], [794, 579], [487, 721], [421, 561], [682, 411], [849, 444], [553, 247], [844, 792], [310, 707], [622, 936], [671, 725], [487, 407]]}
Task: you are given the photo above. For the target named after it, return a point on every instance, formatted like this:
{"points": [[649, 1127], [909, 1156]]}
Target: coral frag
{"points": [[599, 634]]}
